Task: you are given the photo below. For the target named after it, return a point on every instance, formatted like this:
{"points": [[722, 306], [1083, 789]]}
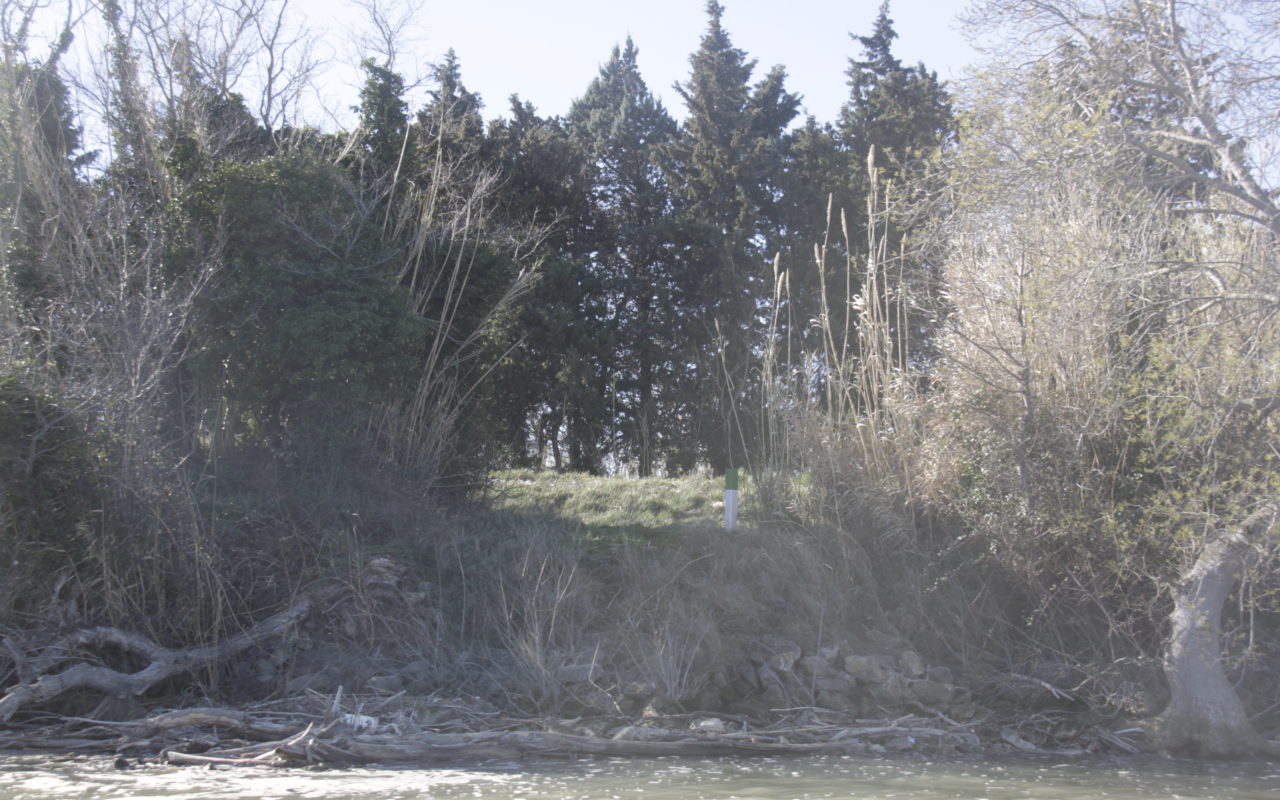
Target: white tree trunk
{"points": [[1205, 716]]}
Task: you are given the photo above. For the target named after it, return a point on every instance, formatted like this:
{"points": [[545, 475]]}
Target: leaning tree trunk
{"points": [[1205, 715]]}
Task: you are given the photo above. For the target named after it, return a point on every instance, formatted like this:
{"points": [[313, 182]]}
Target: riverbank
{"points": [[401, 729], [573, 616]]}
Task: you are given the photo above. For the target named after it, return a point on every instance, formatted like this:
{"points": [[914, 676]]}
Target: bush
{"points": [[49, 490]]}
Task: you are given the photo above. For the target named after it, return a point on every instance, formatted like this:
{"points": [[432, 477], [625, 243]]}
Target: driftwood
{"points": [[329, 733], [241, 723], [330, 745], [164, 662]]}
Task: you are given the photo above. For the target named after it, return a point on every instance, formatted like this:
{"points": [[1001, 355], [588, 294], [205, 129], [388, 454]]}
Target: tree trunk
{"points": [[1205, 716]]}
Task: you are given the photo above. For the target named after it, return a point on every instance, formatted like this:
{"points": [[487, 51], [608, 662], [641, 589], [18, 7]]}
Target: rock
{"points": [[834, 682], [773, 690], [829, 654], [592, 728], [1012, 737], [816, 666], [967, 742], [912, 663], [659, 706], [708, 699], [890, 693], [940, 674], [588, 700], [316, 681], [775, 652], [769, 681], [418, 671], [866, 668], [744, 678], [729, 694], [931, 693], [785, 654], [713, 725], [838, 701]]}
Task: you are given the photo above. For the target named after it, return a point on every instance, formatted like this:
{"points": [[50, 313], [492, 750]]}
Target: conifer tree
{"points": [[620, 125], [903, 112], [384, 123], [902, 115], [561, 372], [726, 167], [451, 126]]}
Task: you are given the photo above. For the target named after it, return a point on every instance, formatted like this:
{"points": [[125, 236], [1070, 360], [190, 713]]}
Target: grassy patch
{"points": [[612, 509]]}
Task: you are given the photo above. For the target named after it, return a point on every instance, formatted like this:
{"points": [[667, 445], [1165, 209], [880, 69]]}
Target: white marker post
{"points": [[730, 499]]}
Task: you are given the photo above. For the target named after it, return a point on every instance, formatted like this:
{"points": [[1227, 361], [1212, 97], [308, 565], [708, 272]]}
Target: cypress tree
{"points": [[620, 126], [904, 112], [726, 166]]}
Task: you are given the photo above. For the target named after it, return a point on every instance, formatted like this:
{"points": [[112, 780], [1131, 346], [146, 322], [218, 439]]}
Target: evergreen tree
{"points": [[903, 112], [384, 124], [620, 126], [903, 115], [452, 130], [726, 166], [562, 370]]}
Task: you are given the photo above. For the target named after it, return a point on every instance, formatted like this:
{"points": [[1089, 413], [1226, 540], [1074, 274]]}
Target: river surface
{"points": [[36, 777]]}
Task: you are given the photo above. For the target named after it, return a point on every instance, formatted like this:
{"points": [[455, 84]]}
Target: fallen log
{"points": [[165, 662], [239, 722]]}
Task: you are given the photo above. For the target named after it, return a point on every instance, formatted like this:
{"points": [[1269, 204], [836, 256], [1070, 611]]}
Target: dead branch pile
{"points": [[216, 736]]}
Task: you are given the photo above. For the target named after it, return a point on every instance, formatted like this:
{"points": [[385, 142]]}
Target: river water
{"points": [[35, 777]]}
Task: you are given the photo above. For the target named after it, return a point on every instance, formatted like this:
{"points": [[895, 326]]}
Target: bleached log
{"points": [[164, 662]]}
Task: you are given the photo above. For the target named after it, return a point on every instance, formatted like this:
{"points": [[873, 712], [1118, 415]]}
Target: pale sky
{"points": [[547, 51]]}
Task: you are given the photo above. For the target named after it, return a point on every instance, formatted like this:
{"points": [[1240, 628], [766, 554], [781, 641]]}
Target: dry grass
{"points": [[633, 581]]}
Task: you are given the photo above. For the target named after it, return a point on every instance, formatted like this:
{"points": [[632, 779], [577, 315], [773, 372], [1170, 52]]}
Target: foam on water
{"points": [[36, 777]]}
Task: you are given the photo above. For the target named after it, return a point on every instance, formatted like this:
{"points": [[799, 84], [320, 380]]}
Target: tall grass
{"points": [[846, 429]]}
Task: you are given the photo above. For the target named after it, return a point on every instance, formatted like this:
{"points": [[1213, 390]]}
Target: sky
{"points": [[548, 51]]}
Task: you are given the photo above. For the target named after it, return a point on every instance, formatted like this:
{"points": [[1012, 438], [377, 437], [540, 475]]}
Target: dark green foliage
{"points": [[903, 115], [304, 326], [726, 166], [565, 339], [903, 112], [384, 123], [451, 129], [50, 487], [38, 127], [622, 127]]}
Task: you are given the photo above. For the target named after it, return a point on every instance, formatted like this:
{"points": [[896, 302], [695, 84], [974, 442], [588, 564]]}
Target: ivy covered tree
{"points": [[305, 328], [37, 128]]}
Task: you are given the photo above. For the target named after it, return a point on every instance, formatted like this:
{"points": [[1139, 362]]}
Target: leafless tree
{"points": [[1181, 97]]}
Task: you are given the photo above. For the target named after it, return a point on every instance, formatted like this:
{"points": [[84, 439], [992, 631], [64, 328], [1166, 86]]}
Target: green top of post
{"points": [[731, 480]]}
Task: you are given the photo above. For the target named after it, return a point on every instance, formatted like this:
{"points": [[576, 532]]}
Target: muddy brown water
{"points": [[43, 777]]}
